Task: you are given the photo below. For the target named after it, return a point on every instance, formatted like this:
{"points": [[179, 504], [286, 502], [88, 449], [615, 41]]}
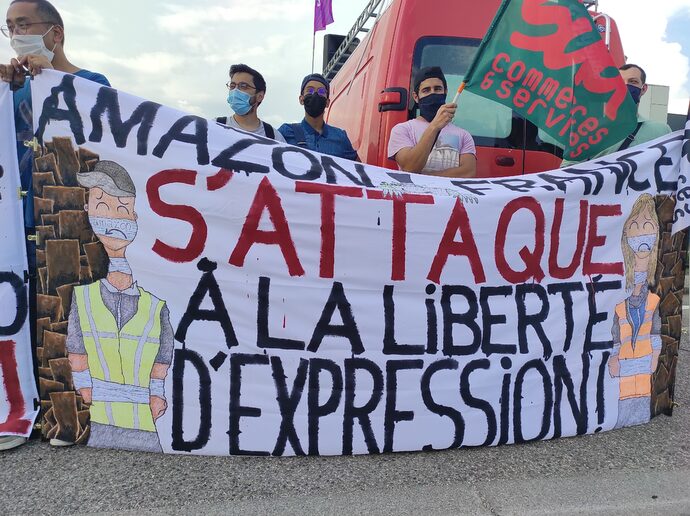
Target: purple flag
{"points": [[323, 14]]}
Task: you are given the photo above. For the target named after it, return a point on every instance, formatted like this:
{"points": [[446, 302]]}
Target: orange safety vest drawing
{"points": [[636, 385]]}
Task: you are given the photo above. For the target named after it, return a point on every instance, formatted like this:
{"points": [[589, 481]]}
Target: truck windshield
{"points": [[483, 118]]}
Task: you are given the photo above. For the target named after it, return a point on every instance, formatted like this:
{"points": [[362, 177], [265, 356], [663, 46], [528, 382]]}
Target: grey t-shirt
{"points": [[260, 131]]}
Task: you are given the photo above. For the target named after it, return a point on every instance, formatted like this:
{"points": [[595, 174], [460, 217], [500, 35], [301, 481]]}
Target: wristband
{"points": [[157, 387], [82, 379]]}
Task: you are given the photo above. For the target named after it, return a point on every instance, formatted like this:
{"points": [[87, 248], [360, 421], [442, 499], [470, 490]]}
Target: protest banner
{"points": [[546, 60], [217, 292], [18, 393]]}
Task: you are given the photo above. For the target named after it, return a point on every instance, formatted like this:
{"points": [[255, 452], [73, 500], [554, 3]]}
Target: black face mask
{"points": [[314, 105], [635, 93], [429, 105]]}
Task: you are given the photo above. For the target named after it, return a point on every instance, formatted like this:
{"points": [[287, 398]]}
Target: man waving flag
{"points": [[546, 60]]}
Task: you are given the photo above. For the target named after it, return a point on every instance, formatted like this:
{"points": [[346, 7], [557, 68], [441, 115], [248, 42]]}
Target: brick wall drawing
{"points": [[68, 254], [671, 267]]}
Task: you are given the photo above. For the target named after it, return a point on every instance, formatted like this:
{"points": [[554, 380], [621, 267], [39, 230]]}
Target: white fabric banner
{"points": [[264, 299], [18, 395]]}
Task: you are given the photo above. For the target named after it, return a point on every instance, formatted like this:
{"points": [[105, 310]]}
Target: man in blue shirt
{"points": [[37, 35], [312, 132]]}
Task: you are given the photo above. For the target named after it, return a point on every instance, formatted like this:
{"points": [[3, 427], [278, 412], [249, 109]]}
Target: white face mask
{"points": [[24, 44]]}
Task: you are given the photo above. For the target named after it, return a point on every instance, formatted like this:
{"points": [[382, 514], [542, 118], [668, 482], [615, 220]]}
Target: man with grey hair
{"points": [[119, 338]]}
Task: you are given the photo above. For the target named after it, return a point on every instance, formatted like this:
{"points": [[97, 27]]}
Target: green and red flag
{"points": [[546, 60]]}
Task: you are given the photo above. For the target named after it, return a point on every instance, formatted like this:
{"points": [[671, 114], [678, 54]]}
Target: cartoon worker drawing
{"points": [[119, 339], [637, 324]]}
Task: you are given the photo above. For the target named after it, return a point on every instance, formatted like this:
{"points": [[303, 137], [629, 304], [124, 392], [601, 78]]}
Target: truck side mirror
{"points": [[393, 99]]}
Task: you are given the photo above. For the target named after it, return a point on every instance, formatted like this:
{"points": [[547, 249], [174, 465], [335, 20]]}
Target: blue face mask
{"points": [[240, 102]]}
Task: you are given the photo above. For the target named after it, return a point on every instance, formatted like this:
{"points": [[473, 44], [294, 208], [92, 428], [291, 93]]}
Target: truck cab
{"points": [[371, 81]]}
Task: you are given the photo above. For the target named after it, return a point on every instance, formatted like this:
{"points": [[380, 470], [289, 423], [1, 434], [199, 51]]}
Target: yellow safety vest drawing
{"points": [[636, 385], [120, 361]]}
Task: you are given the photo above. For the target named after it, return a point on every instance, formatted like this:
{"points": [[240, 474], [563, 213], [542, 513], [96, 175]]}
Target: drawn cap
{"points": [[110, 177]]}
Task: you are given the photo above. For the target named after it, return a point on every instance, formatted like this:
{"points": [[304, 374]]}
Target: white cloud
{"points": [[642, 27], [151, 63], [195, 18], [84, 18]]}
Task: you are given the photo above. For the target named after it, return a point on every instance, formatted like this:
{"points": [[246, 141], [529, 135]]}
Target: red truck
{"points": [[371, 81]]}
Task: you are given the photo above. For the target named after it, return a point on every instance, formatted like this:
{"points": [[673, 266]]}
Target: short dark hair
{"points": [[45, 9], [259, 82], [430, 72], [628, 66]]}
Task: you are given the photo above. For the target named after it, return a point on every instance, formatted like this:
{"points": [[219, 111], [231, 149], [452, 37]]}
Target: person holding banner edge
{"points": [[430, 144], [635, 79], [37, 35]]}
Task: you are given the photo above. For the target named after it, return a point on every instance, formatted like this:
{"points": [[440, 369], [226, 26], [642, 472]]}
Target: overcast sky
{"points": [[178, 52]]}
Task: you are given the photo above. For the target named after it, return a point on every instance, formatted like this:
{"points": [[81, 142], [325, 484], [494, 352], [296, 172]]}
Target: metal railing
{"points": [[607, 27], [349, 44]]}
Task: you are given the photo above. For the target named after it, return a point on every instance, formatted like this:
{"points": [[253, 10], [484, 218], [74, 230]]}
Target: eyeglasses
{"points": [[319, 91], [20, 29], [242, 86]]}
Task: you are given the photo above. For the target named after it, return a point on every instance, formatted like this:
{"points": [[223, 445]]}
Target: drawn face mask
{"points": [[24, 44], [642, 243], [123, 229]]}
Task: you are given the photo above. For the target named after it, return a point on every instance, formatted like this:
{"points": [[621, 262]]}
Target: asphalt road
{"points": [[638, 470]]}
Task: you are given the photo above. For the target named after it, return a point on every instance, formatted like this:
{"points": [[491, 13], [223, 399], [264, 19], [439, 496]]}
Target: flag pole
{"points": [[313, 51], [489, 33], [457, 94]]}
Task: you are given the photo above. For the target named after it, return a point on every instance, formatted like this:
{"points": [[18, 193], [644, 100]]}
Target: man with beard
{"points": [[247, 89], [313, 132], [430, 144]]}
